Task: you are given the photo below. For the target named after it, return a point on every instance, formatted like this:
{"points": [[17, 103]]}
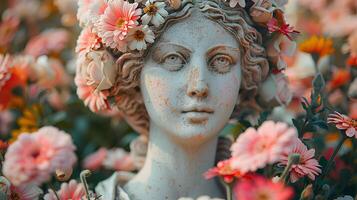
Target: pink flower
{"points": [[257, 188], [113, 26], [281, 27], [254, 149], [343, 122], [25, 192], [88, 40], [308, 165], [32, 158], [71, 190], [8, 28], [118, 159], [6, 118], [95, 160], [223, 170], [94, 99], [50, 41], [90, 10]]}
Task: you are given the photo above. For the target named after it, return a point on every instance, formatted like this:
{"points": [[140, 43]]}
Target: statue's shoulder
{"points": [[111, 188]]}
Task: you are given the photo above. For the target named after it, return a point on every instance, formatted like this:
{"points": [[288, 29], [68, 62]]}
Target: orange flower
{"points": [[339, 78], [223, 170], [352, 61], [317, 45]]}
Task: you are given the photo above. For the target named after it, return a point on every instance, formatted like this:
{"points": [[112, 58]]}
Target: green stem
{"points": [[228, 191], [84, 174], [332, 158], [292, 160]]}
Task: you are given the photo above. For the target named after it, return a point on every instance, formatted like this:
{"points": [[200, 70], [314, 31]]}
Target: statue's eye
{"points": [[220, 63], [173, 61]]}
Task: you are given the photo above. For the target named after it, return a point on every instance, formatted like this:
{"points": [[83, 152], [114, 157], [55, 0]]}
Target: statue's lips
{"points": [[198, 115]]}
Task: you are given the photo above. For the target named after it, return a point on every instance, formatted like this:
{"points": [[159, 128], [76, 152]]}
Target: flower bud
{"points": [[63, 174]]}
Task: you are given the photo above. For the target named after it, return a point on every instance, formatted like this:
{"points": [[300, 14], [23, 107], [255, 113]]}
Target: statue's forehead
{"points": [[198, 31]]}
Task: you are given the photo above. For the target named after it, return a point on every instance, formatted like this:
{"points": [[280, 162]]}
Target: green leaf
{"points": [[318, 83]]}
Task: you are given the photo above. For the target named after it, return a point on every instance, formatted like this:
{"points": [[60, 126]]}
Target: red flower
{"points": [[352, 61], [223, 170], [279, 25]]}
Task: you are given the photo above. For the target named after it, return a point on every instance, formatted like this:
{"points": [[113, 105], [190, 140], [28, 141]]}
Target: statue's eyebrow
{"points": [[223, 49], [162, 49]]}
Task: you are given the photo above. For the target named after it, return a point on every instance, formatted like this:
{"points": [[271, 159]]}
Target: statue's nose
{"points": [[197, 84]]}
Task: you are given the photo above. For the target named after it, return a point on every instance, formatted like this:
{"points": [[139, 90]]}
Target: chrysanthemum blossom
{"points": [[71, 190], [255, 149], [308, 165], [94, 99], [139, 36], [224, 170], [119, 17], [88, 40], [155, 13], [343, 122], [32, 158], [257, 188]]}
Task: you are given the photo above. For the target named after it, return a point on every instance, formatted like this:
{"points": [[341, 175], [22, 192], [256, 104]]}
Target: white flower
{"points": [[347, 197], [139, 36], [154, 12]]}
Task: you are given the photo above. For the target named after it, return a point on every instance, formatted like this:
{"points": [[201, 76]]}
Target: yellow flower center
{"points": [[120, 22], [151, 9], [139, 35]]}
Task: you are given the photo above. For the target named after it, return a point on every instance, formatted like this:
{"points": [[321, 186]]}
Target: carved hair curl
{"points": [[236, 21]]}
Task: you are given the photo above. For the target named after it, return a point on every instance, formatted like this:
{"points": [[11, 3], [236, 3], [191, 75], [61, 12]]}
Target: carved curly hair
{"points": [[126, 93]]}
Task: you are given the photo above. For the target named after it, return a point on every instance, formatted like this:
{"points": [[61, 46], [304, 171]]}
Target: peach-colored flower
{"points": [[71, 190], [224, 170], [257, 188], [113, 26], [90, 10], [32, 158], [308, 165], [88, 40], [255, 149], [118, 159], [343, 122], [49, 41], [95, 160], [94, 99], [98, 69]]}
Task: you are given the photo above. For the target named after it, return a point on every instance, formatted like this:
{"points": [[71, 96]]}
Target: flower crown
{"points": [[121, 27]]}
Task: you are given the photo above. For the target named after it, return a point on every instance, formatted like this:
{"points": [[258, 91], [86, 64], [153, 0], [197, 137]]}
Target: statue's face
{"points": [[191, 79]]}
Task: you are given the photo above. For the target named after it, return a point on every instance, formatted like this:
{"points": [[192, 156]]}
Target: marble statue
{"points": [[207, 61]]}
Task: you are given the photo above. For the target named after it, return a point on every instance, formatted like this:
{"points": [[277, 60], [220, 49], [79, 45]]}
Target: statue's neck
{"points": [[174, 168]]}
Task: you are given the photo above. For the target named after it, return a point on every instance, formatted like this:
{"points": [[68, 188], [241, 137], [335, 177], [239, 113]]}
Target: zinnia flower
{"points": [[343, 122], [119, 17], [88, 40], [258, 188], [254, 149], [95, 160], [317, 45], [71, 190], [94, 99], [139, 36], [308, 165], [154, 13], [34, 157], [223, 170]]}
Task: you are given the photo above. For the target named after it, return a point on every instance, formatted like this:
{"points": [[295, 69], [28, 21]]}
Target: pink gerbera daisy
{"points": [[88, 40], [94, 99], [257, 188], [71, 190], [343, 122], [308, 165], [119, 17], [255, 149]]}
